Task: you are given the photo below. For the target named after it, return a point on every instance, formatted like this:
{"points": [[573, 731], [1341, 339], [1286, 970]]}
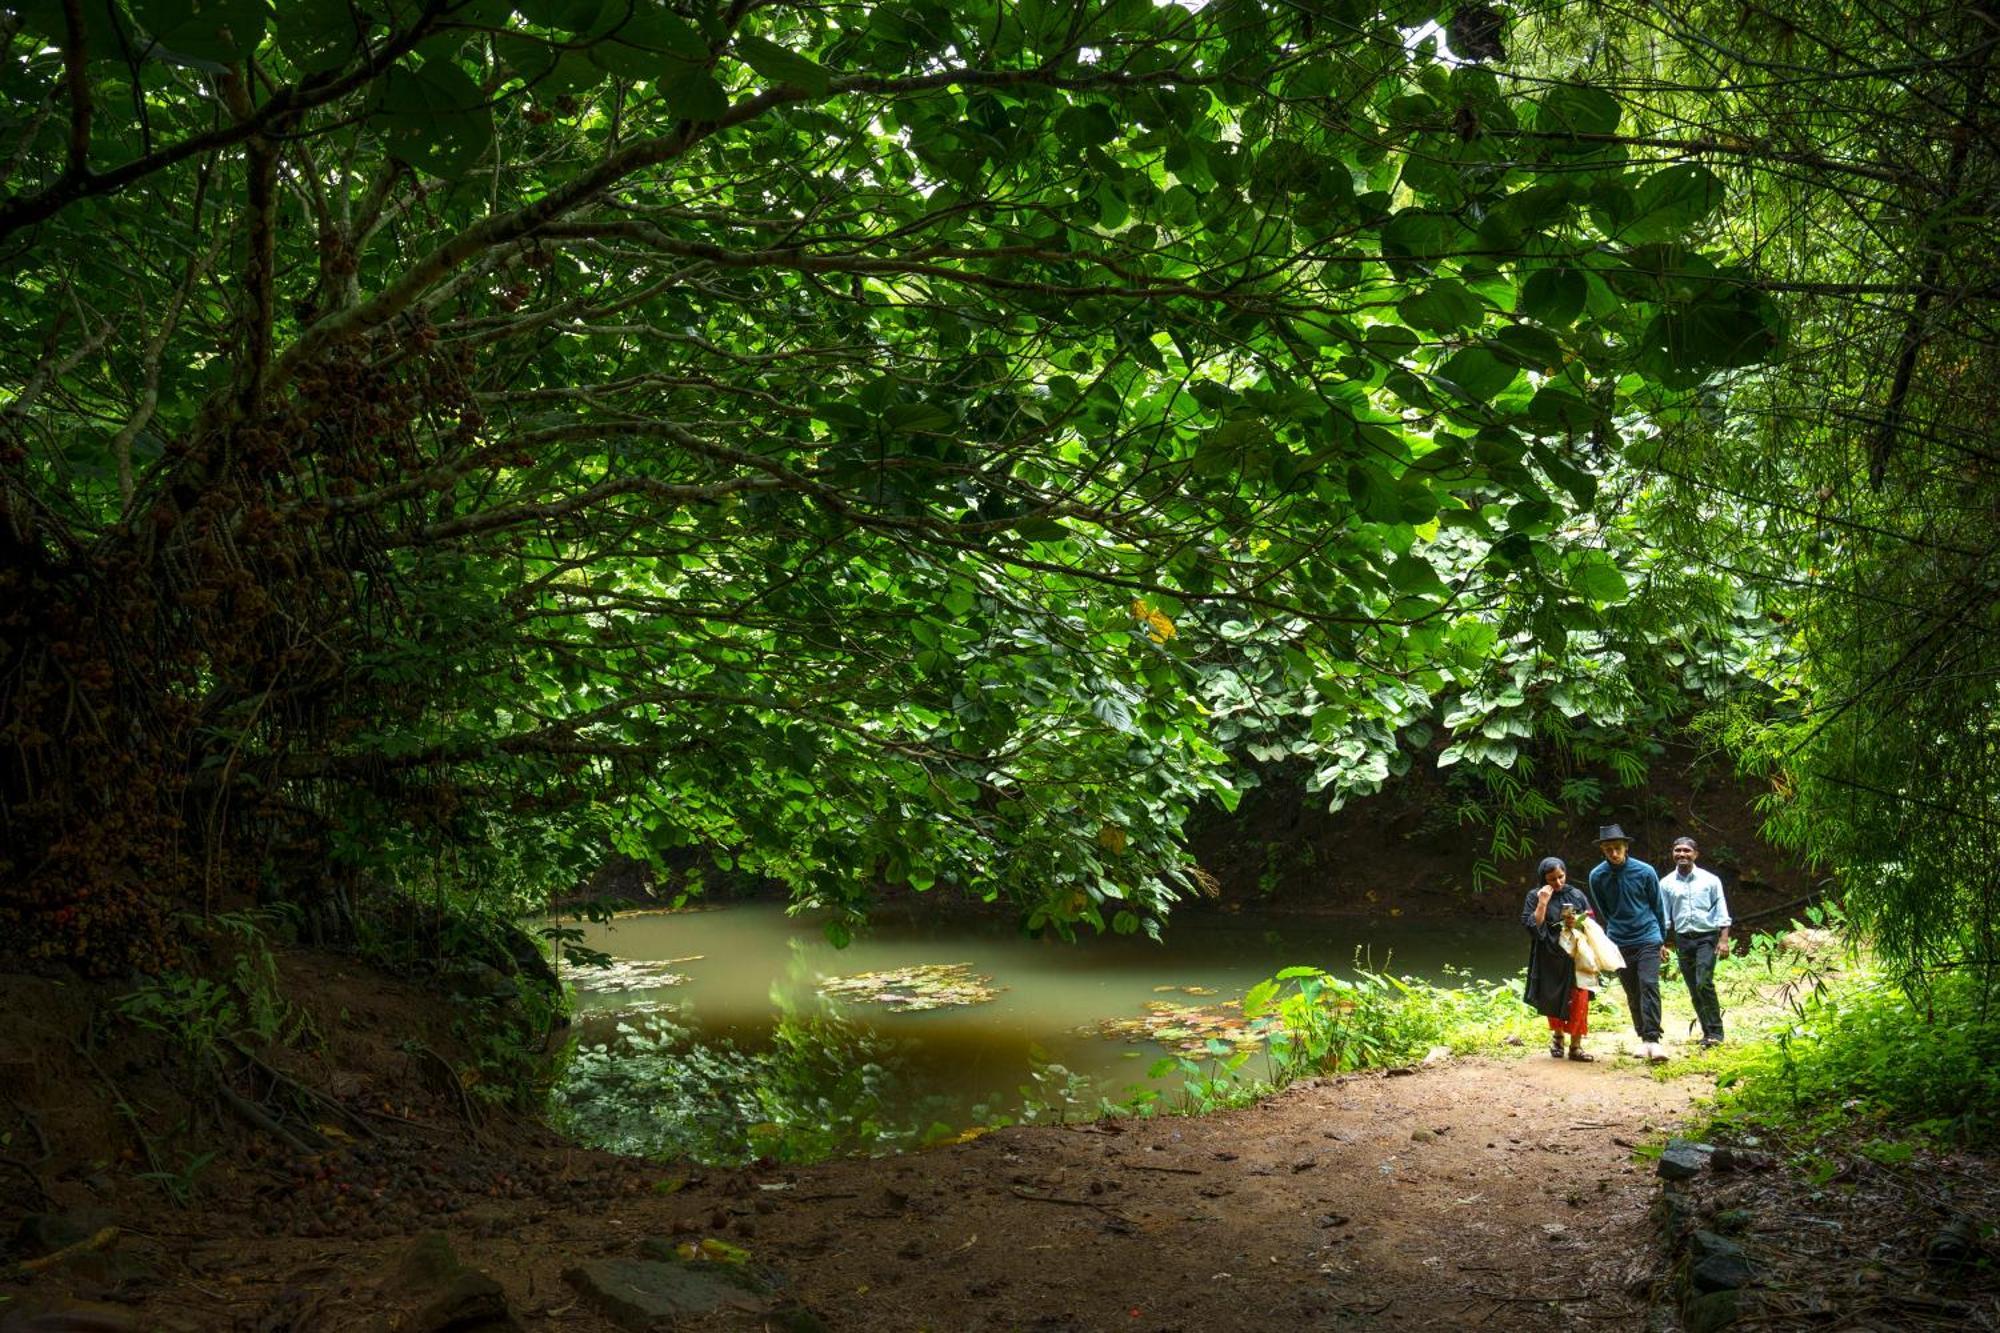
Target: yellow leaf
{"points": [[1112, 838], [1157, 625], [964, 1136], [713, 1250]]}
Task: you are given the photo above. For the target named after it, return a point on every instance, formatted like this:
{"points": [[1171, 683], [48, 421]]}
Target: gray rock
{"points": [[636, 1293], [1675, 1211], [1713, 1312], [1717, 1263], [1681, 1161], [1708, 1244], [469, 1301], [442, 1295], [1742, 1159]]}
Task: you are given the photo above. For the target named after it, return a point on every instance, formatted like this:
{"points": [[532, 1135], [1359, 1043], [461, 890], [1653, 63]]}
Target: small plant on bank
{"points": [[1055, 1093], [194, 1014], [1207, 1086], [1319, 1023]]}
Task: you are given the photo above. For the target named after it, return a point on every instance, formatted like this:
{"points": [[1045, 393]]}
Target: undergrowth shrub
{"points": [[821, 1088], [1319, 1023], [1863, 1046]]}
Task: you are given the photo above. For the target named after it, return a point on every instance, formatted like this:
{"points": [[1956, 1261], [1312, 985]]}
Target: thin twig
{"points": [[103, 1238], [465, 1107]]}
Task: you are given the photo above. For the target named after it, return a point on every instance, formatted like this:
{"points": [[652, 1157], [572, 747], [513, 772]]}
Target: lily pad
{"points": [[628, 974], [638, 1008], [912, 989], [1185, 1028]]}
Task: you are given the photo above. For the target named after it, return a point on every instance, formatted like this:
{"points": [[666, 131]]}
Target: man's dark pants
{"points": [[1641, 979], [1697, 958]]}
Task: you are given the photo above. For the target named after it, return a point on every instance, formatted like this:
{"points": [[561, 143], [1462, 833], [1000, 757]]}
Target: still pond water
{"points": [[1054, 1028]]}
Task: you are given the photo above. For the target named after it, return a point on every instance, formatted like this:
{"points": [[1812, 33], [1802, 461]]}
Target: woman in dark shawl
{"points": [[1552, 988]]}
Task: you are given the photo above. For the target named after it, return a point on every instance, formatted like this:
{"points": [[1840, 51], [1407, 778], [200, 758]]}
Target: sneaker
{"points": [[1655, 1052]]}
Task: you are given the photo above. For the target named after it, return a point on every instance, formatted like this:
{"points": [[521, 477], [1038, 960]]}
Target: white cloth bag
{"points": [[1591, 950]]}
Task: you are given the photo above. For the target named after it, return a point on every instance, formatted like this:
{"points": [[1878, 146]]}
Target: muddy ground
{"points": [[1512, 1192], [1457, 1195]]}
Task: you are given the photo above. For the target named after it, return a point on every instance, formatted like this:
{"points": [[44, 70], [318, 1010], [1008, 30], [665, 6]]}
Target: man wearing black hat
{"points": [[1627, 891]]}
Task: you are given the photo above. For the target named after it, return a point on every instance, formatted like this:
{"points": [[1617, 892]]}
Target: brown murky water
{"points": [[737, 970]]}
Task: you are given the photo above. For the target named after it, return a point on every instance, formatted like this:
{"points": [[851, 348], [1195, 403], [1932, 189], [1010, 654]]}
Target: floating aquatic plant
{"points": [[911, 989], [631, 974], [1183, 1027]]}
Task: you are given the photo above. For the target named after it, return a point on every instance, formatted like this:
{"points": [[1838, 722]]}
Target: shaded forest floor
{"points": [[1506, 1192]]}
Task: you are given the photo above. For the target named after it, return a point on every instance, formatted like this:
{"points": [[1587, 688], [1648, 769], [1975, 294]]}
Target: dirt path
{"points": [[1450, 1197], [1466, 1194]]}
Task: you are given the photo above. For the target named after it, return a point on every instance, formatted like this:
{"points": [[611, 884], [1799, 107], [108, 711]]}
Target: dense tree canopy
{"points": [[1850, 481], [880, 442]]}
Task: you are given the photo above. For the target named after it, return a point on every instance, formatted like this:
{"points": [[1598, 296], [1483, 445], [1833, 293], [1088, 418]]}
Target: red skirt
{"points": [[1578, 1022]]}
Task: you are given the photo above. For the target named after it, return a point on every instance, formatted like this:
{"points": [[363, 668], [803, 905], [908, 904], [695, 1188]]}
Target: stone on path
{"points": [[1716, 1263], [638, 1293], [442, 1295], [1683, 1159], [1719, 1309]]}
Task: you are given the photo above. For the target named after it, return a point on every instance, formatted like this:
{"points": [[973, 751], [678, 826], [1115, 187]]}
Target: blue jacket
{"points": [[1635, 911]]}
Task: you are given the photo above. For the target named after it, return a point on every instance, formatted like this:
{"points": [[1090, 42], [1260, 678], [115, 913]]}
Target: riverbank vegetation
{"points": [[824, 1085]]}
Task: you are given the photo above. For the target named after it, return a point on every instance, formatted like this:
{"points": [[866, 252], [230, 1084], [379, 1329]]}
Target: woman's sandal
{"points": [[1556, 1046], [1577, 1053]]}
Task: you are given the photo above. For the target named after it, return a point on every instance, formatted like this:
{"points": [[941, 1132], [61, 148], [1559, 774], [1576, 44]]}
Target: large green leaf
{"points": [[1418, 233], [1596, 575], [1577, 109], [1671, 202], [1554, 296], [220, 30], [437, 117], [1686, 342], [1442, 307], [1477, 373], [782, 65], [318, 34], [693, 92]]}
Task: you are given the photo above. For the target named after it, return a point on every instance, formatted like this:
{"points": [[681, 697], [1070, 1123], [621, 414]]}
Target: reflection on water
{"points": [[733, 1046]]}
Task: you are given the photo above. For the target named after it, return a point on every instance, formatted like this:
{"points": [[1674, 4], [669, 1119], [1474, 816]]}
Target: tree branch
{"points": [[78, 183]]}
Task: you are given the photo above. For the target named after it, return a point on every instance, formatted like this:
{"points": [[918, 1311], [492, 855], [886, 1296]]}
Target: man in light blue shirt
{"points": [[1698, 917]]}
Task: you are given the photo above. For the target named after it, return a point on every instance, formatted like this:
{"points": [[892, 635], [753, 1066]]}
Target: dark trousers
{"points": [[1697, 959], [1641, 979]]}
